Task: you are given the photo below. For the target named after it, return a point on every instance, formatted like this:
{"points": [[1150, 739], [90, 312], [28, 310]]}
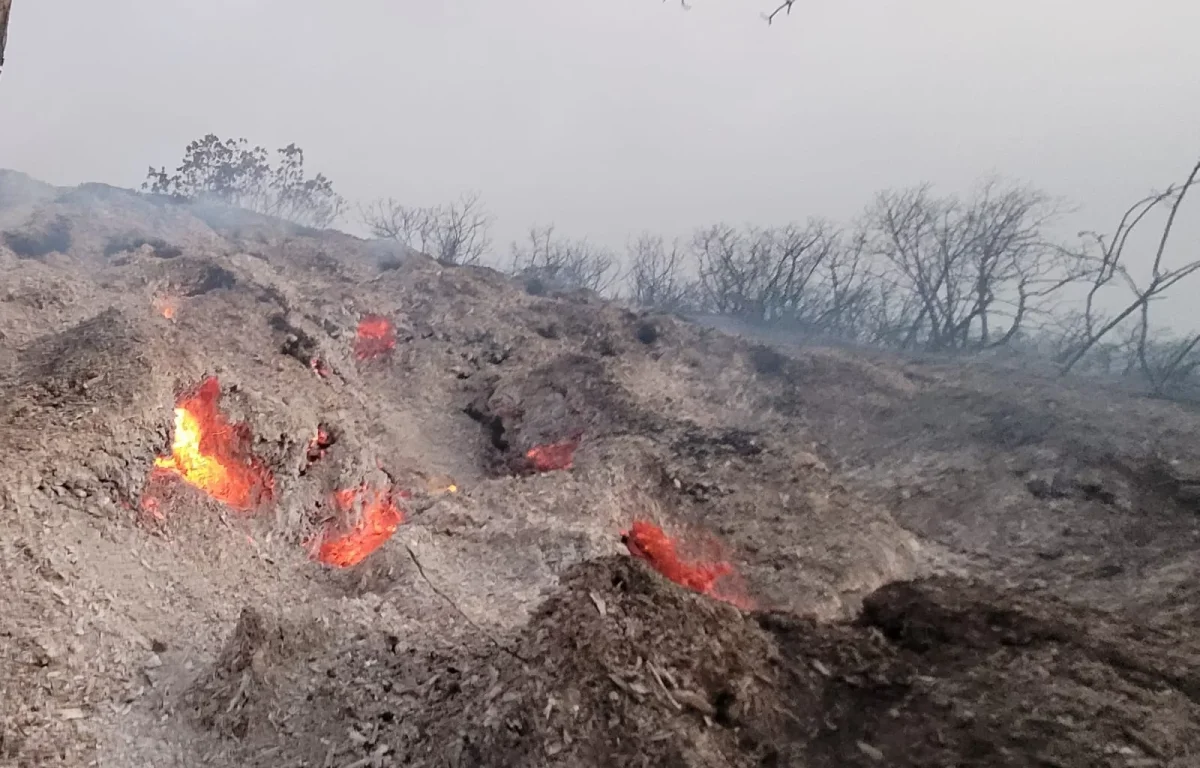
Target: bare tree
{"points": [[764, 275], [846, 292], [562, 263], [974, 270], [657, 273], [455, 233], [463, 231], [1161, 364], [391, 220]]}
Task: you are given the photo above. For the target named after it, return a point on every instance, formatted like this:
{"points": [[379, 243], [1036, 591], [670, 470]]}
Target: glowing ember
{"points": [[376, 337], [150, 506], [320, 368], [318, 445], [378, 518], [438, 485], [715, 578], [547, 458], [165, 306], [210, 453]]}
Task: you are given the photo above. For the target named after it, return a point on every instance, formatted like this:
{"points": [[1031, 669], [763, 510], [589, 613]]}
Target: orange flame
{"points": [[210, 453], [376, 337], [165, 306], [717, 579], [379, 518], [547, 458]]}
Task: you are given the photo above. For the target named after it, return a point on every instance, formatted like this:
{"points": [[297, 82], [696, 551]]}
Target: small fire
{"points": [[165, 306], [376, 337], [716, 578], [212, 454], [379, 516], [547, 458]]}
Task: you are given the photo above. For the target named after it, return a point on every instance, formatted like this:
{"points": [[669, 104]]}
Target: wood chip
{"points": [[872, 752], [71, 713], [600, 605], [696, 701], [666, 691], [619, 682]]}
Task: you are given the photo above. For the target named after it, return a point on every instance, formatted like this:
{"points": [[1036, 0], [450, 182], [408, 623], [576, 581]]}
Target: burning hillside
{"points": [[394, 521]]}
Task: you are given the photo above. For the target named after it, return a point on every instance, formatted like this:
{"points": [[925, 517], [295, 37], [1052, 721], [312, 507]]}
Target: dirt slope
{"points": [[504, 623]]}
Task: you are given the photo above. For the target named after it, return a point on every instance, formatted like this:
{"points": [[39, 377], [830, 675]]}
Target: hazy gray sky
{"points": [[610, 116]]}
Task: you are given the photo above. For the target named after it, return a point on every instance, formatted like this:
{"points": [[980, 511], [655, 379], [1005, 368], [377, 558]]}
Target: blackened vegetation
{"points": [[1161, 482], [326, 437], [703, 444], [297, 344], [572, 395], [34, 243], [492, 422], [767, 360], [132, 242], [647, 333], [890, 697], [535, 286], [602, 344], [212, 278], [389, 263], [1010, 425]]}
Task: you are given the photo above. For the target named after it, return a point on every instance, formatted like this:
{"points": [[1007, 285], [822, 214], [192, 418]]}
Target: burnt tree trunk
{"points": [[5, 8]]}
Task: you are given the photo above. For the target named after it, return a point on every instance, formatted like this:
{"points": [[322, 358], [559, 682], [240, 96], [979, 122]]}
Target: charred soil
{"points": [[269, 501]]}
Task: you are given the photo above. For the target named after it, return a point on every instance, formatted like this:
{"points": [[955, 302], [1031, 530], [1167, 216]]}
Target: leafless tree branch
{"points": [[784, 7], [1110, 264], [563, 264], [974, 270], [455, 233], [657, 273]]}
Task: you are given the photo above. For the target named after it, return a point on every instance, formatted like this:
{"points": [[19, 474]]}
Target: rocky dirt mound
{"points": [[620, 667], [210, 421], [1069, 486]]}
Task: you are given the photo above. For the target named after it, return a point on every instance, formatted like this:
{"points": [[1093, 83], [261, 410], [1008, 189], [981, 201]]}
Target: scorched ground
{"points": [[269, 503]]}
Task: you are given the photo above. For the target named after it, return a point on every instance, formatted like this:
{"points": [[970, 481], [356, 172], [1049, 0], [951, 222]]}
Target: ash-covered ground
{"points": [[951, 564]]}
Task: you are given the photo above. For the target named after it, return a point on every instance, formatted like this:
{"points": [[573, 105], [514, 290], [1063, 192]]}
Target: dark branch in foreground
{"points": [[784, 7], [5, 10]]}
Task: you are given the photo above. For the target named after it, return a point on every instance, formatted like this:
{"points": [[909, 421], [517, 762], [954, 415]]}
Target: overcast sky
{"points": [[612, 116]]}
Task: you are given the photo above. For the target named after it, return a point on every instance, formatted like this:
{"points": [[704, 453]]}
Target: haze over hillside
{"points": [[611, 118], [579, 385], [276, 496]]}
